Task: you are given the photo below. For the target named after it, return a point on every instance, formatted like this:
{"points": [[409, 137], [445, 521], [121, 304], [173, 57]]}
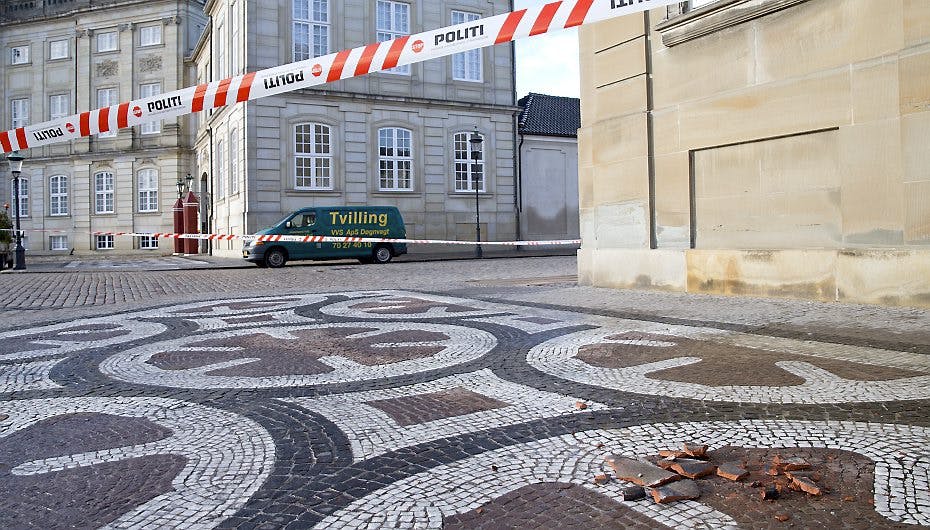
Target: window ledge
{"points": [[716, 17]]}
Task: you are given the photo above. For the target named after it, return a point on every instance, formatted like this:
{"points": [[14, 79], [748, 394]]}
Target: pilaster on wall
{"points": [[613, 141]]}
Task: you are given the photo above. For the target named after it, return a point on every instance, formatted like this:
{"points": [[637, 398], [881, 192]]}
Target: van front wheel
{"points": [[275, 258], [382, 254]]}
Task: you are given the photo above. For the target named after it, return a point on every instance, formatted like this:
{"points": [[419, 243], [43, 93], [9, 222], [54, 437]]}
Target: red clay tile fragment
{"points": [[633, 493], [695, 450], [666, 463], [581, 405], [601, 479], [693, 468], [793, 463], [807, 486], [683, 490], [782, 517], [849, 498], [731, 471], [671, 453], [773, 471], [640, 472]]}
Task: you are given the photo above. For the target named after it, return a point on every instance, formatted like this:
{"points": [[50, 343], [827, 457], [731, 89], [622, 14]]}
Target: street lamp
{"points": [[180, 185], [190, 181], [476, 149], [16, 167]]}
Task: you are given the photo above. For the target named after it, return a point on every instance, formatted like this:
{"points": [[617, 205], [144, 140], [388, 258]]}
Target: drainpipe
{"points": [[212, 207], [517, 158]]}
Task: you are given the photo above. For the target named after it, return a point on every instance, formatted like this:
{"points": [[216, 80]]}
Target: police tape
{"points": [[335, 239], [536, 20]]}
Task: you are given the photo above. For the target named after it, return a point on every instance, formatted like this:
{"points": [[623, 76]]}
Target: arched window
{"points": [[465, 167], [395, 159], [148, 190], [103, 193], [313, 158], [58, 195]]}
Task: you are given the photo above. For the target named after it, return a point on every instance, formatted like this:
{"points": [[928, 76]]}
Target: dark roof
{"points": [[550, 115]]}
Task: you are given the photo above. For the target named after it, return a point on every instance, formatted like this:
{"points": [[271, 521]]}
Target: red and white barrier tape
{"points": [[336, 239], [536, 20]]}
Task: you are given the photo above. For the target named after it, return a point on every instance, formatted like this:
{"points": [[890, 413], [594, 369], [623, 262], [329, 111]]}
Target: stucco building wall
{"points": [[779, 147]]}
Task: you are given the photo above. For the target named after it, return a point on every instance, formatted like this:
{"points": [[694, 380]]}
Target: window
{"points": [[235, 47], [148, 243], [465, 167], [234, 162], [19, 55], [107, 97], [19, 112], [393, 20], [313, 157], [220, 169], [694, 4], [395, 159], [311, 28], [146, 91], [222, 43], [58, 195], [150, 35], [59, 106], [23, 196], [103, 192], [148, 190], [466, 66], [58, 242], [58, 49], [105, 243], [107, 41]]}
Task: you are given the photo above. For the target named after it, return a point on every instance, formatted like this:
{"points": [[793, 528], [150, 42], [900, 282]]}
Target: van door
{"points": [[305, 223]]}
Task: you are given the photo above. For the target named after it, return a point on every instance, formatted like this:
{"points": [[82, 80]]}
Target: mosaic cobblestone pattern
{"points": [[401, 409]]}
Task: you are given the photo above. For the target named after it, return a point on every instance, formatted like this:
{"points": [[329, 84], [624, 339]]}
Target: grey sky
{"points": [[548, 64]]}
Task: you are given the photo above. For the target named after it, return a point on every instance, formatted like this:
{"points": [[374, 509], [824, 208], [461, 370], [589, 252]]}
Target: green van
{"points": [[338, 221]]}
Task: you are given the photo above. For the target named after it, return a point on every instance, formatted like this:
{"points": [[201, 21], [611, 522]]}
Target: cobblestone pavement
{"points": [[457, 395]]}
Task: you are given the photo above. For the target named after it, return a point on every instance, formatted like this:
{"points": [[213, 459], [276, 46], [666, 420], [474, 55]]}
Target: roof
{"points": [[550, 115]]}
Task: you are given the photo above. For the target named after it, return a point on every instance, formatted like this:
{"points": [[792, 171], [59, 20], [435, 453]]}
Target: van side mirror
{"points": [[288, 225]]}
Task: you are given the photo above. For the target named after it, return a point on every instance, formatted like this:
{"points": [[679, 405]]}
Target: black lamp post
{"points": [[476, 142], [180, 185], [190, 181], [16, 167]]}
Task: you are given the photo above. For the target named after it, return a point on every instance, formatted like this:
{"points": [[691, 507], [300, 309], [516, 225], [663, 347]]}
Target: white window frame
{"points": [[23, 196], [222, 42], [19, 112], [470, 63], [107, 41], [150, 35], [58, 248], [390, 29], [235, 34], [234, 161], [104, 196], [394, 158], [105, 243], [58, 196], [220, 168], [311, 19], [464, 183], [147, 190], [148, 243], [313, 157], [148, 90], [112, 98], [19, 54], [59, 106], [53, 56]]}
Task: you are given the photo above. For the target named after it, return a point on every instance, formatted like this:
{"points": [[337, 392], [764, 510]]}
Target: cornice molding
{"points": [[716, 17]]}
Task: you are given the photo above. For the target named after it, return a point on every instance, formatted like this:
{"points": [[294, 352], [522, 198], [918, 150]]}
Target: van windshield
{"points": [[284, 219]]}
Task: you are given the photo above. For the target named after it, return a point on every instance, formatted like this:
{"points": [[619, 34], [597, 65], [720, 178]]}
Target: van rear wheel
{"points": [[382, 254], [275, 258]]}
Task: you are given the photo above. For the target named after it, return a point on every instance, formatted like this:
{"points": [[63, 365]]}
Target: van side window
{"points": [[309, 219]]}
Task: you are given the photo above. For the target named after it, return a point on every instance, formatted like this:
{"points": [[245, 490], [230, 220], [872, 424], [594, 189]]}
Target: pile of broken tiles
{"points": [[673, 477]]}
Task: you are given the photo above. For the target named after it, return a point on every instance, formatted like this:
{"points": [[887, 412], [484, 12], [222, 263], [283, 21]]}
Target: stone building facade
{"points": [[68, 56], [759, 147], [395, 138]]}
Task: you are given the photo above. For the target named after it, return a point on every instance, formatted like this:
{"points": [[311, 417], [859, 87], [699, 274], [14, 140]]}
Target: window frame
{"points": [[383, 34], [233, 161], [220, 153], [26, 58], [109, 245], [469, 163], [313, 26], [314, 156], [464, 56], [147, 197], [146, 243], [51, 243], [58, 200], [107, 191], [23, 196], [395, 160], [115, 100], [67, 55], [152, 127], [115, 47], [160, 33], [17, 122], [52, 115]]}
